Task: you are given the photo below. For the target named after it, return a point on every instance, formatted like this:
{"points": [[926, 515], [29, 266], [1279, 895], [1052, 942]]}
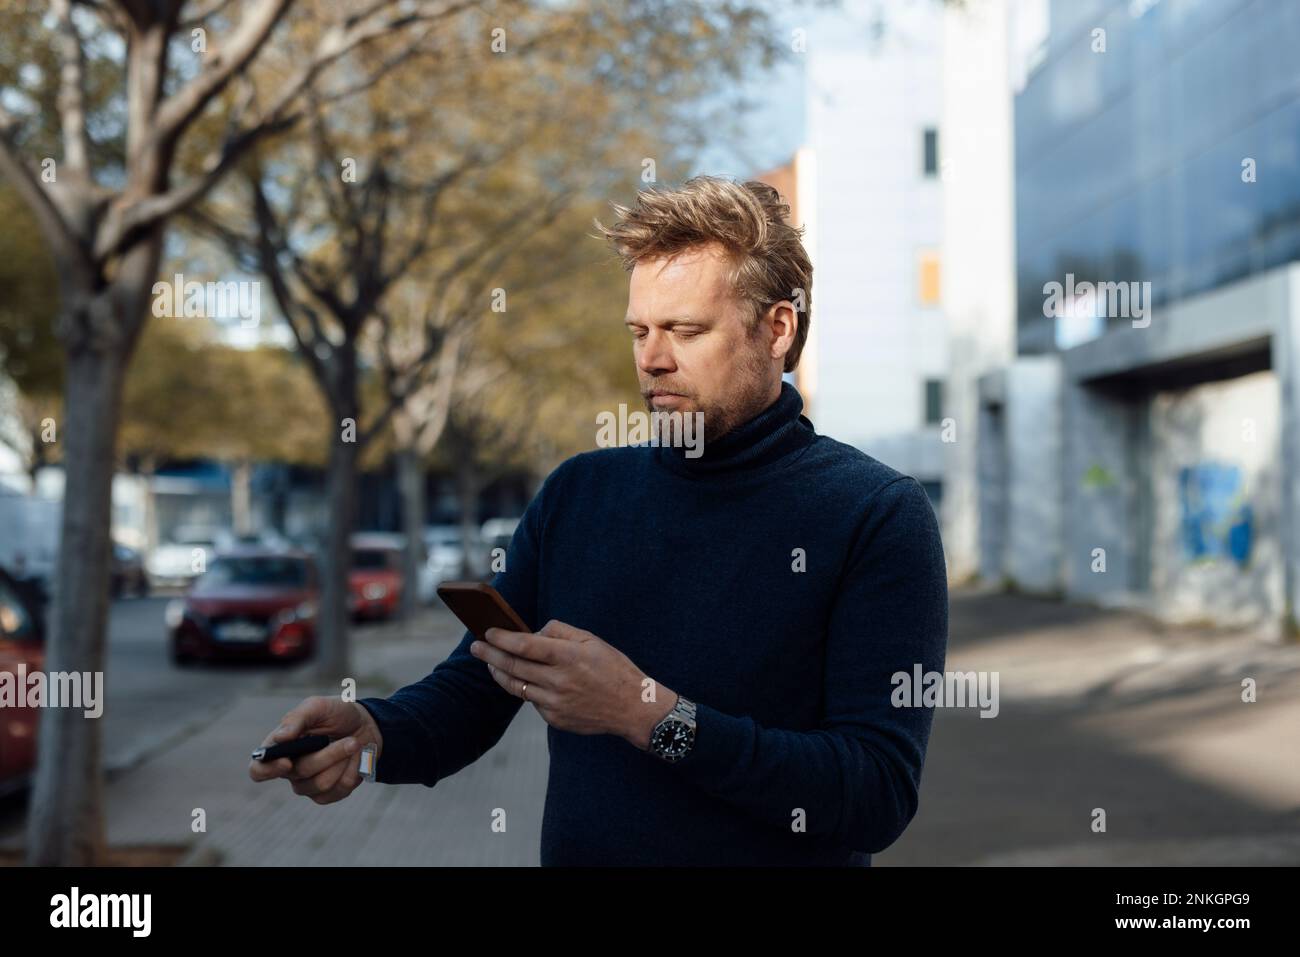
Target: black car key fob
{"points": [[292, 749]]}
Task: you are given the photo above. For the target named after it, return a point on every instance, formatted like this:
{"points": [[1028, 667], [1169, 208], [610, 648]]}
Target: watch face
{"points": [[673, 739]]}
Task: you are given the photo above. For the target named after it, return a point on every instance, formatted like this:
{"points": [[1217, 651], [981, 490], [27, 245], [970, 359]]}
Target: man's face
{"points": [[694, 349]]}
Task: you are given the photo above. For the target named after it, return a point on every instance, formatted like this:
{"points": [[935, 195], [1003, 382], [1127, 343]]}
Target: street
{"points": [[149, 699]]}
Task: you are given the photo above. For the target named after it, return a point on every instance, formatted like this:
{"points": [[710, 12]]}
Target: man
{"points": [[720, 629]]}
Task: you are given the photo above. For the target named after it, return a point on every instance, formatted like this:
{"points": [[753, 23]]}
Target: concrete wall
{"points": [[1019, 470], [1033, 432], [992, 475], [978, 266], [1099, 491], [1215, 489], [1286, 363], [1169, 432]]}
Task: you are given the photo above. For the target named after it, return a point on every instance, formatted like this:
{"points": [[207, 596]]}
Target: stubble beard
{"points": [[747, 399]]}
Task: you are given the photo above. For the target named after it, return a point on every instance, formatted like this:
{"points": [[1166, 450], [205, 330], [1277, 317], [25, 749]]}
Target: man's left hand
{"points": [[576, 681]]}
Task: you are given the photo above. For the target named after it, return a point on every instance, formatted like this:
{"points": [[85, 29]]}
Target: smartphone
{"points": [[479, 607]]}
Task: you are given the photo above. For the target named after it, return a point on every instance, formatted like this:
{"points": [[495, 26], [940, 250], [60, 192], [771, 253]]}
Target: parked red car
{"points": [[375, 582], [254, 603], [22, 643]]}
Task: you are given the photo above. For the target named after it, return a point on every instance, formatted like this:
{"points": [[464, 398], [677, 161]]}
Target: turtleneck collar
{"points": [[771, 435]]}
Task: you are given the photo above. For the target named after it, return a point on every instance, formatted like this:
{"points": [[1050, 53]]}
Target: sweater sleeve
{"points": [[857, 776], [458, 712]]}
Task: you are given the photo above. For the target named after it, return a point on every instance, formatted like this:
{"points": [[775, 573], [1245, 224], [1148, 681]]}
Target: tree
{"points": [[103, 165], [330, 291]]}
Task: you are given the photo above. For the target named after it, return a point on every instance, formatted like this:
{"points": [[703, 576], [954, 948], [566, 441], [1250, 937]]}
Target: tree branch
{"points": [[205, 12], [16, 171], [179, 110], [123, 223], [72, 91], [350, 34]]}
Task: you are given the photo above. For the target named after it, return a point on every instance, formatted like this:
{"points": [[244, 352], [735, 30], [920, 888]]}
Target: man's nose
{"points": [[656, 354]]}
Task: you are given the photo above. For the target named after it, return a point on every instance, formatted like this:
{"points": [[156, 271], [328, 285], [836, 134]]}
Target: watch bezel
{"points": [[682, 715]]}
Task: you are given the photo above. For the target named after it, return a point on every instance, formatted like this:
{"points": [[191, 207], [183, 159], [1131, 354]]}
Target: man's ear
{"points": [[783, 319]]}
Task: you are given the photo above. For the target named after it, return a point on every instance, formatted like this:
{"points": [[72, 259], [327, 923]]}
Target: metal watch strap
{"points": [[683, 711]]}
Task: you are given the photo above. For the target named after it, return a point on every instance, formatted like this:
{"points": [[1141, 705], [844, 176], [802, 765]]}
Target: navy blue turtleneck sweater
{"points": [[778, 580]]}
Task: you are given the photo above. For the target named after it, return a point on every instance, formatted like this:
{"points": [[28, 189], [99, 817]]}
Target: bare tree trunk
{"points": [[99, 328], [65, 822], [410, 479], [333, 657], [333, 653]]}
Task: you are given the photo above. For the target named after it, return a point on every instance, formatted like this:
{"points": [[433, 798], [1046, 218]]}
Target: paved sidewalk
{"points": [[1107, 710], [267, 824]]}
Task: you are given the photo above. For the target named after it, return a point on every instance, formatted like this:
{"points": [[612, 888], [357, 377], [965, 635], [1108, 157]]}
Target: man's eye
{"points": [[638, 333], [688, 333]]}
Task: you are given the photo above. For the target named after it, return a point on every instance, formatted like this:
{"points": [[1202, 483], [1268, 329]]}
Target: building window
{"points": [[933, 401], [927, 278], [931, 150]]}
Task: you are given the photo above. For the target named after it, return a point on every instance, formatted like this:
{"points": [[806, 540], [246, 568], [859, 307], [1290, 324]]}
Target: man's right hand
{"points": [[332, 773]]}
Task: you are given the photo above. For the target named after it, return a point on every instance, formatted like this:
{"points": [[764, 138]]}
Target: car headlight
{"points": [[374, 591], [175, 613], [301, 612]]}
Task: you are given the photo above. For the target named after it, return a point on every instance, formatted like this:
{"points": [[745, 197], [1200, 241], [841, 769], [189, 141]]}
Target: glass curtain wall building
{"points": [[1164, 150]]}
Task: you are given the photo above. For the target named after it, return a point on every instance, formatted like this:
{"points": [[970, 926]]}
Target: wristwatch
{"points": [[674, 735]]}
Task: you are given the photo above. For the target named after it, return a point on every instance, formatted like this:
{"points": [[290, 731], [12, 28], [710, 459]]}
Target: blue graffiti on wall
{"points": [[1217, 521]]}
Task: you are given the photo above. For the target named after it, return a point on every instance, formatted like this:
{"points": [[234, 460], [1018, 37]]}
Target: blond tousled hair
{"points": [[769, 262]]}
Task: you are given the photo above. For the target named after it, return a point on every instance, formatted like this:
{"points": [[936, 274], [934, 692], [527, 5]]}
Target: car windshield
{"points": [[369, 558], [269, 570]]}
